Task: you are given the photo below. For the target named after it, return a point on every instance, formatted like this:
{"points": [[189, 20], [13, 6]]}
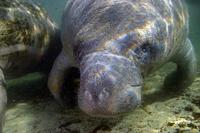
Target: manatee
{"points": [[116, 44], [28, 42]]}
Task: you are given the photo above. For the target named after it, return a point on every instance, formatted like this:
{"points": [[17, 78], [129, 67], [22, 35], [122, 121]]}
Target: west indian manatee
{"points": [[28, 42], [116, 44]]}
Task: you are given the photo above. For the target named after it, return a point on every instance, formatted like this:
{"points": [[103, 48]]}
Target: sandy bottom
{"points": [[32, 110]]}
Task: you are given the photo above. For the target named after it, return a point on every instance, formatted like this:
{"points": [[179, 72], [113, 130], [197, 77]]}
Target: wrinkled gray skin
{"points": [[117, 43], [29, 41]]}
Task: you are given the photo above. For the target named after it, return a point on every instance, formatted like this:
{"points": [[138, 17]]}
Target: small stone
{"points": [[189, 108], [170, 124], [184, 130], [195, 131], [196, 115], [182, 124]]}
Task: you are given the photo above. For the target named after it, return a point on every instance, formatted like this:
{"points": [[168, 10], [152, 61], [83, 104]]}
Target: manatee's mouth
{"points": [[136, 85]]}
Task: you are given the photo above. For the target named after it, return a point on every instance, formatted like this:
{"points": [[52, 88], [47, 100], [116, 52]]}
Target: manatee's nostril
{"points": [[88, 95], [103, 95], [86, 102]]}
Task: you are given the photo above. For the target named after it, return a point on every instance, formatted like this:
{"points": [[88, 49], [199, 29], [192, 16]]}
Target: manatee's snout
{"points": [[106, 105], [110, 85]]}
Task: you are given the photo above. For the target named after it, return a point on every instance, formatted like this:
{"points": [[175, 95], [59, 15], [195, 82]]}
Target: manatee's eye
{"points": [[148, 51], [145, 47], [143, 50]]}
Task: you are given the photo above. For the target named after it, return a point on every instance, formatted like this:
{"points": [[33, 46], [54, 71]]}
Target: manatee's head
{"points": [[110, 85]]}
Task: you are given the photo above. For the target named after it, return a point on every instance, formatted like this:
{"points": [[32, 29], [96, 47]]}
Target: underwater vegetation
{"points": [[31, 108]]}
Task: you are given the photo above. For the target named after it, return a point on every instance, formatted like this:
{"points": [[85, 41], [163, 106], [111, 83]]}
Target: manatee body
{"points": [[27, 39], [116, 44]]}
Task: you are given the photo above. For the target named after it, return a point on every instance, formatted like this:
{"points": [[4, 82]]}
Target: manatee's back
{"points": [[90, 24], [175, 15], [25, 34]]}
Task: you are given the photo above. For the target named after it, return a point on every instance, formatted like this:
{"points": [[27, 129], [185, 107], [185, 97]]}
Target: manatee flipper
{"points": [[3, 99], [186, 68], [56, 77]]}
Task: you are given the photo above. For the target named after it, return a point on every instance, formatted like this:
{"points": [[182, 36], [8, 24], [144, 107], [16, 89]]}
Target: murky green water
{"points": [[31, 109], [53, 7], [194, 11]]}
